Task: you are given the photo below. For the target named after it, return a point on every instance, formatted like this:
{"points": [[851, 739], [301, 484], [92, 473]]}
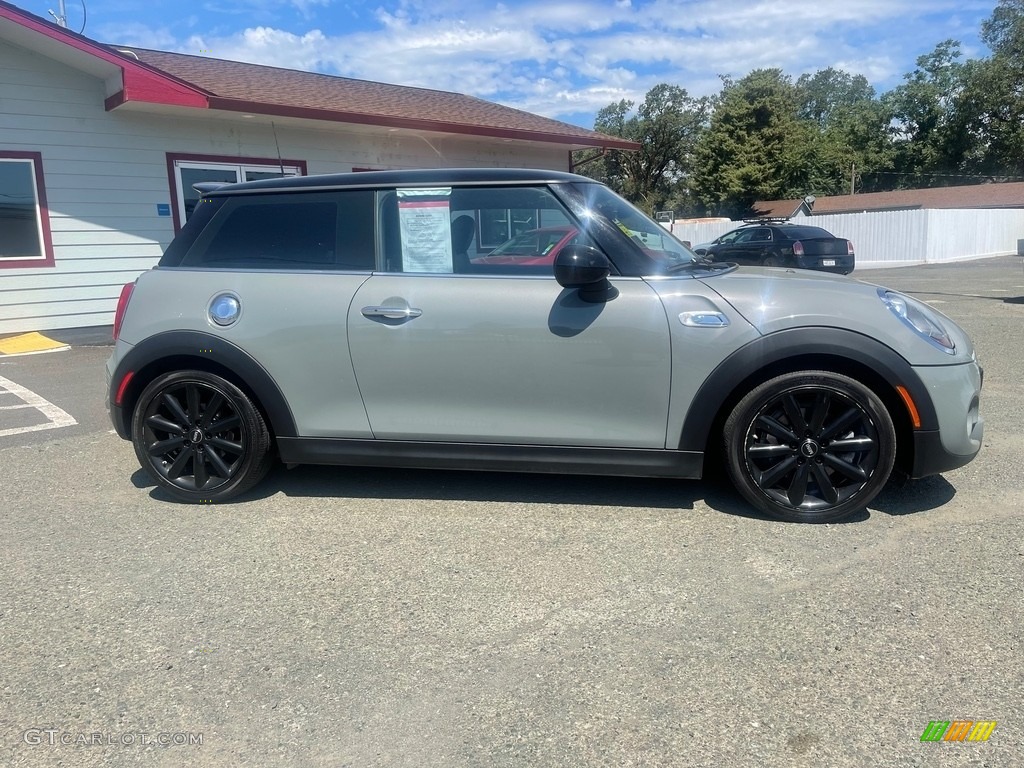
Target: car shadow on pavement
{"points": [[307, 481], [509, 487], [912, 496]]}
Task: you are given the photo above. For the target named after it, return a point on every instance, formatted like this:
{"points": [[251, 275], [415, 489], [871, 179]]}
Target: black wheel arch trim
{"points": [[204, 349], [776, 349]]}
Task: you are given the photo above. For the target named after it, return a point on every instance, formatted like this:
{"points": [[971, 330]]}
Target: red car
{"points": [[534, 247]]}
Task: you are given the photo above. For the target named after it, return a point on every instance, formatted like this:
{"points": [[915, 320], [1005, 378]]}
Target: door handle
{"points": [[392, 313]]}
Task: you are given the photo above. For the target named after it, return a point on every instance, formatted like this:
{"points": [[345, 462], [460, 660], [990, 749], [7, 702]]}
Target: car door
{"points": [[748, 247], [736, 248], [449, 349], [759, 245]]}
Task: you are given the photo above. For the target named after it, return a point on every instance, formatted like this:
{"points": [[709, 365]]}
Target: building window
{"points": [[496, 227], [24, 220], [186, 170]]}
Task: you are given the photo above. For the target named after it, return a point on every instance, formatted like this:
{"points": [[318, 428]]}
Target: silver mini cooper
{"points": [[519, 320]]}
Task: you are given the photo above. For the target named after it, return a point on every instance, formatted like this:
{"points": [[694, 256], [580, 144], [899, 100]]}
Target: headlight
{"points": [[919, 318]]}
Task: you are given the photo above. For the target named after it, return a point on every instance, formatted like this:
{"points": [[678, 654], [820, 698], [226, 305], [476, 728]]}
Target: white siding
{"points": [[105, 172], [902, 238]]}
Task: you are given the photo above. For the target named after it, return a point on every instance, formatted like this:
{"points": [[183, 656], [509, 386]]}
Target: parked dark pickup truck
{"points": [[780, 244]]}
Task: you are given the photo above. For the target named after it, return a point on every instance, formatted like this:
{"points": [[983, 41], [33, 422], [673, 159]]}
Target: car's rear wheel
{"points": [[810, 446], [200, 437]]}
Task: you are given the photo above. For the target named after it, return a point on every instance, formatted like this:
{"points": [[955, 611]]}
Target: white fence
{"points": [[901, 238]]}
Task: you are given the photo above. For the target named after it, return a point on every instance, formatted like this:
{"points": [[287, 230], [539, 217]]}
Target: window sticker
{"points": [[424, 216]]}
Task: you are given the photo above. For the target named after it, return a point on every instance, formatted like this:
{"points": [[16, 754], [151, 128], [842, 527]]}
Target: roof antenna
{"points": [[280, 162], [62, 17]]}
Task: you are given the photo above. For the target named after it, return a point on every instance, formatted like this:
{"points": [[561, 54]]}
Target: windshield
{"points": [[658, 244]]}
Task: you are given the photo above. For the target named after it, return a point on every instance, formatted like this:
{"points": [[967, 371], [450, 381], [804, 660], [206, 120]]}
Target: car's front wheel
{"points": [[810, 446], [200, 437]]}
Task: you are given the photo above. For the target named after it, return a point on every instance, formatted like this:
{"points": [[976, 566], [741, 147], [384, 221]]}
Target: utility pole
{"points": [[853, 176]]}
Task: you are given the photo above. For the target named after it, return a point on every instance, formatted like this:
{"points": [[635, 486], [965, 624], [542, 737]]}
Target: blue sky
{"points": [[560, 58]]}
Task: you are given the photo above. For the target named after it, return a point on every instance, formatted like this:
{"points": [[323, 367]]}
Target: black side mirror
{"points": [[586, 268]]}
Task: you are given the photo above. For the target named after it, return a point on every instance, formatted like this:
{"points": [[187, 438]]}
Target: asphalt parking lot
{"points": [[354, 617]]}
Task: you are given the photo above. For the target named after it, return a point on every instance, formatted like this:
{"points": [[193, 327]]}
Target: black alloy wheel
{"points": [[200, 437], [811, 446]]}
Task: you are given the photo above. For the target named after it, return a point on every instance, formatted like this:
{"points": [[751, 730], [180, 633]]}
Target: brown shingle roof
{"points": [[1005, 195], [256, 88]]}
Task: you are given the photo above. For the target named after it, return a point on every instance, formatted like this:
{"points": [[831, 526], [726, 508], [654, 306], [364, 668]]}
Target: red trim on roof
{"points": [[141, 82], [113, 102], [140, 85]]}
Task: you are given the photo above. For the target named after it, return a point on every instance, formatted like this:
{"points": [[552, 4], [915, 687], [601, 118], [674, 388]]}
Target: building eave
{"points": [[435, 126], [132, 80], [129, 81]]}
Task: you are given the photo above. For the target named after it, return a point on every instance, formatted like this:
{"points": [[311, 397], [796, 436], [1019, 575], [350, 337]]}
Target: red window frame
{"points": [[43, 210]]}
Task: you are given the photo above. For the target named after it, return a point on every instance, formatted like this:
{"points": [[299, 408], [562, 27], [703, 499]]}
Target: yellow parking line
{"points": [[29, 343]]}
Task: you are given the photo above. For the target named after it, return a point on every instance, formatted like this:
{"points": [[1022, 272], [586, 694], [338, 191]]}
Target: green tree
{"points": [[829, 96], [667, 125], [757, 147], [989, 114], [928, 143], [854, 142], [1003, 31]]}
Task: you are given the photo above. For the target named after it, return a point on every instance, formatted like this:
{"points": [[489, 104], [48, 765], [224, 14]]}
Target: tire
{"points": [[810, 446], [773, 260], [200, 437]]}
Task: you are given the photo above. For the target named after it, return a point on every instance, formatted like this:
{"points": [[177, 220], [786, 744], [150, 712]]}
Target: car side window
{"points": [[293, 231], [761, 235], [513, 230]]}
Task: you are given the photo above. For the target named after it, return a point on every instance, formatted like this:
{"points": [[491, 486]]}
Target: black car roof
{"points": [[416, 177]]}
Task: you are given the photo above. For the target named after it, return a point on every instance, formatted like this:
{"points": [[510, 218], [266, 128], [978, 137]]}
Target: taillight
{"points": [[122, 306], [798, 248], [849, 247]]}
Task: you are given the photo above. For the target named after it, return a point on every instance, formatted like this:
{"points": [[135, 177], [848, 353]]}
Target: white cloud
{"points": [[572, 57]]}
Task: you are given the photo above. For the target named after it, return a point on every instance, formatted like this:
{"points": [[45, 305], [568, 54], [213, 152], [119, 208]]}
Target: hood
{"points": [[779, 299]]}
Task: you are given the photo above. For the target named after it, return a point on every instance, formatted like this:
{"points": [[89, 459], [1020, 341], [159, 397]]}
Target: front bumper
{"points": [[956, 393]]}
